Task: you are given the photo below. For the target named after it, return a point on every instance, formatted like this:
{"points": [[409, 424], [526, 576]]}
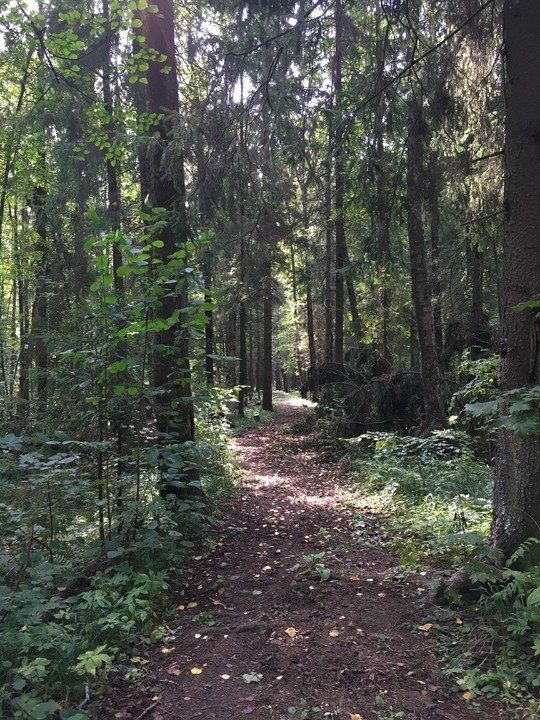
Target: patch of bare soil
{"points": [[253, 638]]}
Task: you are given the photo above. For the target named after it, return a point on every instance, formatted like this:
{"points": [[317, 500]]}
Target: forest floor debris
{"points": [[285, 617]]}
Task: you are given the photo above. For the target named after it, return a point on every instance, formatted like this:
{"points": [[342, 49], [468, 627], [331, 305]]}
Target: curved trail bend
{"points": [[334, 644]]}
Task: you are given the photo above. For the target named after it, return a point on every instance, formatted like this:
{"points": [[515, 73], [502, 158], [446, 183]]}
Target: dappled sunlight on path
{"points": [[290, 607]]}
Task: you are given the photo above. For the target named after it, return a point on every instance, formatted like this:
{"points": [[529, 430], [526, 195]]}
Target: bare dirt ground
{"points": [[253, 638]]}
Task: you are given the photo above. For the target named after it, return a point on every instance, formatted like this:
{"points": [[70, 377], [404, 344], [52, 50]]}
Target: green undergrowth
{"points": [[58, 644], [253, 416], [432, 492], [428, 499]]}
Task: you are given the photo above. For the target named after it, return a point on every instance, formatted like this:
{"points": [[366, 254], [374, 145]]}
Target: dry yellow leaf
{"points": [[467, 695], [354, 578], [291, 632], [425, 628], [166, 650], [356, 716], [192, 605], [225, 677], [333, 633], [196, 671]]}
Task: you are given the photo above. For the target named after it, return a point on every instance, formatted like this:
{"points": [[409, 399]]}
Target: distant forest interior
{"points": [[270, 359]]}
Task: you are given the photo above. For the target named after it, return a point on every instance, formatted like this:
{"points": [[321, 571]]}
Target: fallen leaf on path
{"points": [[356, 716], [291, 632], [174, 671], [252, 678], [192, 605], [225, 677], [333, 633], [196, 671], [425, 628], [467, 695]]}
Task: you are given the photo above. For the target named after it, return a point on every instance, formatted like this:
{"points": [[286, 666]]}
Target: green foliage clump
{"points": [[510, 635], [432, 490], [434, 495], [57, 645]]}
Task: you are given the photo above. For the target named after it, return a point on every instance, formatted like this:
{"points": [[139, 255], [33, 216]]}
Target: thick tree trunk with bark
{"points": [[433, 192], [174, 410], [339, 199], [40, 313], [310, 325], [209, 343], [114, 197], [242, 327], [267, 374], [421, 289], [353, 301], [517, 486], [477, 305], [328, 309]]}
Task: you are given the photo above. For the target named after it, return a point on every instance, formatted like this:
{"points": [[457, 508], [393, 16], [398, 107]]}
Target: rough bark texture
{"points": [[267, 377], [339, 199], [477, 306], [328, 315], [310, 326], [433, 192], [209, 344], [174, 412], [353, 302], [517, 487], [421, 289], [40, 314], [114, 198], [242, 332]]}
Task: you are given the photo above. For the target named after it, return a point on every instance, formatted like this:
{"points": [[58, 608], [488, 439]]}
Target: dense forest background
{"points": [[204, 202]]}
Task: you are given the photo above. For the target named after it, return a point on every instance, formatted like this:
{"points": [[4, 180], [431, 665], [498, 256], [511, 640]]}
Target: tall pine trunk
{"points": [[310, 325], [328, 305], [517, 485], [174, 410], [114, 198], [40, 313], [339, 199], [433, 193], [267, 375], [421, 288]]}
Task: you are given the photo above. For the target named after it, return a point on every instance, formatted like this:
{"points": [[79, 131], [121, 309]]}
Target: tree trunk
{"points": [[433, 192], [421, 290], [353, 302], [113, 187], [40, 314], [517, 485], [310, 327], [174, 409], [242, 331], [267, 376], [339, 199], [477, 305], [209, 345]]}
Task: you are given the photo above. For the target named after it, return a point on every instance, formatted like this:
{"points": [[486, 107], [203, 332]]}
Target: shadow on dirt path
{"points": [[254, 638]]}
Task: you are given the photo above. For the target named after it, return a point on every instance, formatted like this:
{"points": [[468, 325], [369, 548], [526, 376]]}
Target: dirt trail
{"points": [[335, 644]]}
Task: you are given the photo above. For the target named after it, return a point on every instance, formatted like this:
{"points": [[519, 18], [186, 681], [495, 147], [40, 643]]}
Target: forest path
{"points": [[297, 639]]}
